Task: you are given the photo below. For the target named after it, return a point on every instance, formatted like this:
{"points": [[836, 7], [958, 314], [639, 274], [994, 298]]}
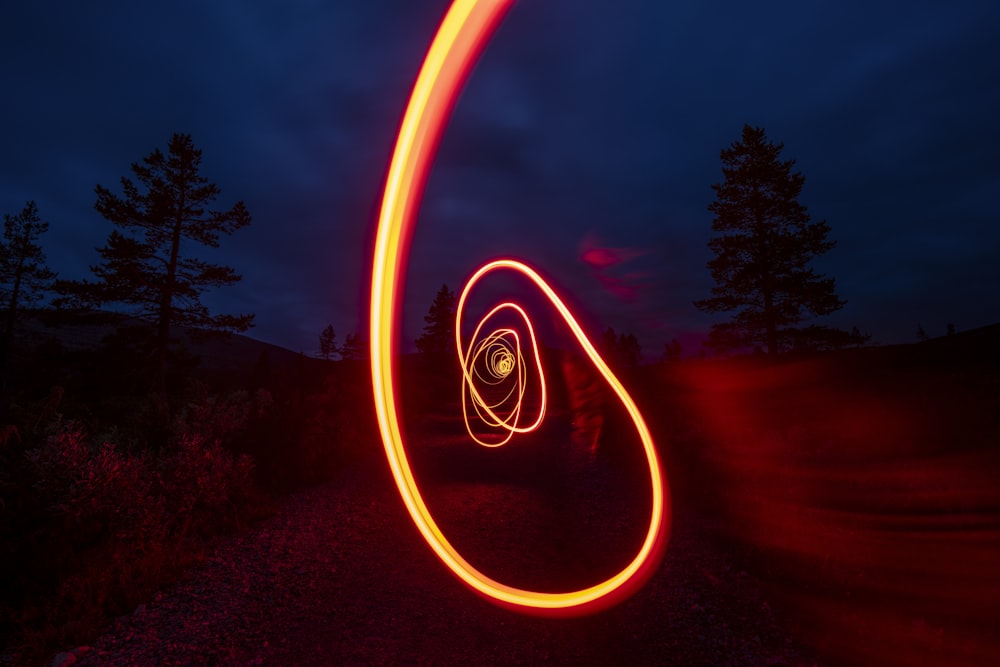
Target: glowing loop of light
{"points": [[503, 357], [464, 31]]}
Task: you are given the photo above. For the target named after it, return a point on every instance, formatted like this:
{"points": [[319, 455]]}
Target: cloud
{"points": [[595, 116]]}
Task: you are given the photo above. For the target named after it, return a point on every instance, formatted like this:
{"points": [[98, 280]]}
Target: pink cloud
{"points": [[602, 260]]}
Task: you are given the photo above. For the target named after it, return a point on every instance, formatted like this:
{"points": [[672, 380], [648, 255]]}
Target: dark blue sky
{"points": [[586, 125]]}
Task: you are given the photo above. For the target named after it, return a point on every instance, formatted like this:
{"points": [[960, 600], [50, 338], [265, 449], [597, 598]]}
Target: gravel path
{"points": [[339, 576]]}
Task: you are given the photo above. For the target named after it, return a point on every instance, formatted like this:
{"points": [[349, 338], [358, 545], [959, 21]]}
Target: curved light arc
{"points": [[464, 30]]}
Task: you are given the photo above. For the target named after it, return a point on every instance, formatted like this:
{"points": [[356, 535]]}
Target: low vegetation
{"points": [[104, 500]]}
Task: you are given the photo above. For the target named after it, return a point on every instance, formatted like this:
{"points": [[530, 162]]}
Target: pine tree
{"points": [[672, 350], [146, 263], [763, 245], [629, 350], [620, 351], [439, 329], [328, 343], [24, 277], [609, 346]]}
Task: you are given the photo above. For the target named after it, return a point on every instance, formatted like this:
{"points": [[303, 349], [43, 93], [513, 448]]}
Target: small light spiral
{"points": [[495, 378]]}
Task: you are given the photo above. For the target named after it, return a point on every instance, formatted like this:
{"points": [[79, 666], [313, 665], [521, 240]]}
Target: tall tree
{"points": [[764, 241], [24, 277], [609, 346], [439, 328], [328, 343], [146, 263]]}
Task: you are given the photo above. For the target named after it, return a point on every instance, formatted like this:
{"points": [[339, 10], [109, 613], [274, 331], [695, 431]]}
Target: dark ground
{"points": [[341, 576], [832, 510]]}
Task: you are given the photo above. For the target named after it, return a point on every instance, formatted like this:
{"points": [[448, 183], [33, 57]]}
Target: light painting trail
{"points": [[463, 33], [503, 357]]}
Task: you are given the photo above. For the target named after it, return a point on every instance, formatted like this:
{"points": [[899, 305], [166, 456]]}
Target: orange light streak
{"points": [[463, 32]]}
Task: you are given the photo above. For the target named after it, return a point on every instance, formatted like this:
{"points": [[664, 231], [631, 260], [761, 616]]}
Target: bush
{"points": [[96, 525], [206, 487]]}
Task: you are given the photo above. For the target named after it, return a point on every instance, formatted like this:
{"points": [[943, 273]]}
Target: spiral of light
{"points": [[492, 360], [464, 31]]}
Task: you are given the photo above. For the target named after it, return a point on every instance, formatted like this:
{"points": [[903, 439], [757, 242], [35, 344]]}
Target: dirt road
{"points": [[340, 576]]}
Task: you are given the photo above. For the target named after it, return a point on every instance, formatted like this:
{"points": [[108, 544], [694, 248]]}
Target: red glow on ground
{"points": [[870, 498]]}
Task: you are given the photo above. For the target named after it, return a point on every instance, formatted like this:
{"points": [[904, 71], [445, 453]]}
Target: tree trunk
{"points": [[166, 308], [8, 329]]}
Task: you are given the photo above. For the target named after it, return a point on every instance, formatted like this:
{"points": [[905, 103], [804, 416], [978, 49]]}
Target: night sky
{"points": [[586, 143]]}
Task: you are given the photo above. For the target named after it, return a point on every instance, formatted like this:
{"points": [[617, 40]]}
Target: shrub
{"points": [[206, 487], [100, 524]]}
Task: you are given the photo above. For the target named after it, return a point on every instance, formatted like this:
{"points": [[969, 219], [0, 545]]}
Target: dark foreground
{"points": [[837, 510], [340, 576]]}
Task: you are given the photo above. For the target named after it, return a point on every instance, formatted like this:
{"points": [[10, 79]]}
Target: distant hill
{"points": [[241, 351], [979, 347], [87, 331], [975, 347]]}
